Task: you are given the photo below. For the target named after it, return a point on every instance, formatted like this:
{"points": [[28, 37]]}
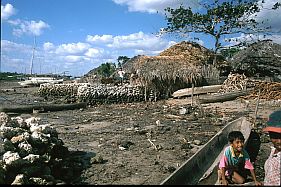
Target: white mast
{"points": [[32, 58]]}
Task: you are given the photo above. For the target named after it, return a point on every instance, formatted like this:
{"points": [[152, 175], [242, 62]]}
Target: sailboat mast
{"points": [[32, 58]]}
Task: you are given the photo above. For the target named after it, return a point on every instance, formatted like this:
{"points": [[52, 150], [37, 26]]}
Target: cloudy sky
{"points": [[74, 37]]}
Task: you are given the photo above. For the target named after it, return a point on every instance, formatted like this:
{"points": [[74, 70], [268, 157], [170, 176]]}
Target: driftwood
{"points": [[197, 90], [222, 97], [43, 108]]}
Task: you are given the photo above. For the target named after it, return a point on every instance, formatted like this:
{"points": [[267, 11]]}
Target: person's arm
{"points": [[257, 183]]}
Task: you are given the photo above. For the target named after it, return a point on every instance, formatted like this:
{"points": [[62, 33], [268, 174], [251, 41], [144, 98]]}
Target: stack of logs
{"points": [[266, 90], [238, 82], [235, 82], [98, 94]]}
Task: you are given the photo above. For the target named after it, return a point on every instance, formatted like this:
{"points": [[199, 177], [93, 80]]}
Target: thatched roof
{"points": [[193, 52], [262, 58], [166, 68], [182, 61]]}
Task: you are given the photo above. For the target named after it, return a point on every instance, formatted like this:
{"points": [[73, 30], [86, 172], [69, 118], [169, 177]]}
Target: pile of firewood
{"points": [[235, 82], [266, 90], [263, 89]]}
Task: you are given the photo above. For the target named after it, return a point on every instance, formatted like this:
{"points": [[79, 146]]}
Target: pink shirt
{"points": [[272, 169], [228, 160]]}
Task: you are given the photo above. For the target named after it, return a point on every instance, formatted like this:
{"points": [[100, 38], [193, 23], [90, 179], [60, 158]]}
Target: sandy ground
{"points": [[140, 143]]}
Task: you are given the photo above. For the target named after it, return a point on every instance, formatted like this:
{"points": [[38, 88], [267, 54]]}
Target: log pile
{"points": [[268, 91], [31, 153], [235, 82], [238, 82]]}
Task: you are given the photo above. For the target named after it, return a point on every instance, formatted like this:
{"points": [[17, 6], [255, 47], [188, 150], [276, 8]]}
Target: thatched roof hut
{"points": [[175, 68], [260, 59]]}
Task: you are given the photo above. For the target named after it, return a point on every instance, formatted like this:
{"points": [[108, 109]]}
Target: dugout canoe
{"points": [[197, 90], [201, 168]]}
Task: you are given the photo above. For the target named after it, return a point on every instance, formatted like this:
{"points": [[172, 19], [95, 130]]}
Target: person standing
{"points": [[272, 164]]}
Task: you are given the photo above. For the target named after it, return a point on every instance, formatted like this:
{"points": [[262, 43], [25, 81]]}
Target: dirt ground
{"points": [[139, 143]]}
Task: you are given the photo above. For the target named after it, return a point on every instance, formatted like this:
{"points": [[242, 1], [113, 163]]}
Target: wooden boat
{"points": [[197, 90], [201, 168], [36, 81]]}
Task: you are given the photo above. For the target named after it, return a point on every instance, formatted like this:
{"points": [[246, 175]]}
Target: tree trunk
{"points": [[43, 108], [222, 97]]}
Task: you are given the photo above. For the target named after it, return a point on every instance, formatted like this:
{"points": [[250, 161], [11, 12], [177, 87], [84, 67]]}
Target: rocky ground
{"points": [[139, 143]]}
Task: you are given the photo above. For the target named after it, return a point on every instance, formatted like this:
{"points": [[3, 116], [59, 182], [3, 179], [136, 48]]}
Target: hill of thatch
{"points": [[192, 52], [262, 59]]}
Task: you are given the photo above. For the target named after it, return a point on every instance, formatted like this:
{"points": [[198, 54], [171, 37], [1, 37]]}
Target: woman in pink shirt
{"points": [[272, 164]]}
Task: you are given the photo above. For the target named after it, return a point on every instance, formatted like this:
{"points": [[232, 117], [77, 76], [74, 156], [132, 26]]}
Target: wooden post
{"points": [[145, 93], [192, 94], [155, 95], [256, 110]]}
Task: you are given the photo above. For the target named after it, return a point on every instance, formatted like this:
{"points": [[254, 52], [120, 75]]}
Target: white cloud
{"points": [[252, 38], [99, 39], [48, 46], [72, 58], [7, 11], [72, 48], [28, 27], [8, 46], [270, 17], [93, 52], [154, 6], [138, 41]]}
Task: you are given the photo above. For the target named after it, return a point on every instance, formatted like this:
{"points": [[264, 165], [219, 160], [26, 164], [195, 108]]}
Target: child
{"points": [[235, 161], [272, 164]]}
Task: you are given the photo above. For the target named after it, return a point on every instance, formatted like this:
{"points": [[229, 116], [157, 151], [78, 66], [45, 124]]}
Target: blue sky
{"points": [[76, 36]]}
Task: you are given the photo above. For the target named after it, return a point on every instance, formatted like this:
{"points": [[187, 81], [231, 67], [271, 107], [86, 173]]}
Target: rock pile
{"points": [[102, 93], [32, 153]]}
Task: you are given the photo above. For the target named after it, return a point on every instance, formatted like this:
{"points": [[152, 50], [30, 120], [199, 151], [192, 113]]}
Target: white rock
{"points": [[32, 158], [19, 180], [25, 146], [9, 157]]}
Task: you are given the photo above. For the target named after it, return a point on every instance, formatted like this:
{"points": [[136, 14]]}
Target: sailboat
{"points": [[36, 81]]}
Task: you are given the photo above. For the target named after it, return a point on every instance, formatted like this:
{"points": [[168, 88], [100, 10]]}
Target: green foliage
{"points": [[229, 52], [8, 76], [106, 69], [122, 60]]}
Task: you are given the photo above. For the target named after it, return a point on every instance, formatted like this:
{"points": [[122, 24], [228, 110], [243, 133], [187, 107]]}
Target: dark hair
{"points": [[233, 135]]}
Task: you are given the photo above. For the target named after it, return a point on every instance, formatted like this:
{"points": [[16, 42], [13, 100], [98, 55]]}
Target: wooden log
{"points": [[43, 108], [221, 97], [197, 90]]}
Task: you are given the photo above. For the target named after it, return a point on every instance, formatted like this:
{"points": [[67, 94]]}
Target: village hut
{"points": [[261, 59], [180, 66]]}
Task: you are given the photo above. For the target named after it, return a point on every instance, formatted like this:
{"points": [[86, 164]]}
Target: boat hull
{"points": [[203, 163]]}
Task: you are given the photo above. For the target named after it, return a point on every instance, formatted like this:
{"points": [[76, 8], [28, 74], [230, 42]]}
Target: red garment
{"points": [[272, 169]]}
